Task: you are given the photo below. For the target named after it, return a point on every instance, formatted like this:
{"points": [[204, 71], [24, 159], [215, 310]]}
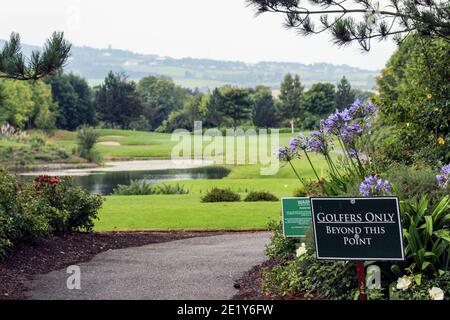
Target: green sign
{"points": [[357, 228], [296, 216]]}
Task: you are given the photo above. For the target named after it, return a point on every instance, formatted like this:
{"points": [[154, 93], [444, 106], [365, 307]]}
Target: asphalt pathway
{"points": [[196, 268]]}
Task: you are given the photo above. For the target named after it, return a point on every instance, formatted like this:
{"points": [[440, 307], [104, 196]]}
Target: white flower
{"points": [[403, 283], [436, 293], [301, 250]]}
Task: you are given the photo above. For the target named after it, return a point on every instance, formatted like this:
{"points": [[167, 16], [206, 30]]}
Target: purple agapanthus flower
{"points": [[351, 131], [372, 186], [317, 142], [353, 153], [286, 154], [443, 179]]}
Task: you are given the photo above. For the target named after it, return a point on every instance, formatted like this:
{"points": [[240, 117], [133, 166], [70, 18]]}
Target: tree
{"points": [[43, 116], [345, 96], [320, 99], [235, 104], [414, 100], [210, 105], [14, 65], [362, 20], [263, 111], [117, 101], [74, 99], [160, 96], [185, 118], [17, 104], [291, 98]]}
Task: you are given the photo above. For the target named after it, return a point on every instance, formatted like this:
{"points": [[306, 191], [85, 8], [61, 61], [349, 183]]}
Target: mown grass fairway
{"points": [[187, 212], [134, 144], [172, 212]]}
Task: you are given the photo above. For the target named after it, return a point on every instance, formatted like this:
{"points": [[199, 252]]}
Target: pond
{"points": [[104, 182]]}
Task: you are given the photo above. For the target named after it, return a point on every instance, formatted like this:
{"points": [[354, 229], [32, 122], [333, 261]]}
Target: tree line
{"points": [[66, 101]]}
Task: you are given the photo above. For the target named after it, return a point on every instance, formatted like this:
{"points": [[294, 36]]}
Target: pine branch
{"points": [[54, 56], [363, 20]]}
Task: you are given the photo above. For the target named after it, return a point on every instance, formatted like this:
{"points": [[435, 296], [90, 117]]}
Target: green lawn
{"points": [[182, 212], [187, 212]]}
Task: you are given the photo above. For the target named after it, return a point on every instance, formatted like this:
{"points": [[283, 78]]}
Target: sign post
{"points": [[296, 216], [361, 280], [357, 229]]}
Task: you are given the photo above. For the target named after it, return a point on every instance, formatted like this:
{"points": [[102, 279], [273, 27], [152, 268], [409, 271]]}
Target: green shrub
{"points": [[36, 142], [49, 205], [310, 277], [82, 207], [86, 140], [260, 196], [413, 183], [299, 192], [142, 187], [427, 233], [62, 153], [221, 195], [279, 246], [420, 285], [136, 187], [170, 189]]}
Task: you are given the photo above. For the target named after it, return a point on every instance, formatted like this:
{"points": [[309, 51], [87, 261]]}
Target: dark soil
{"points": [[43, 256]]}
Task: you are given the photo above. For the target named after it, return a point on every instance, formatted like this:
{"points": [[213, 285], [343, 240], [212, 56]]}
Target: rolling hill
{"points": [[94, 64]]}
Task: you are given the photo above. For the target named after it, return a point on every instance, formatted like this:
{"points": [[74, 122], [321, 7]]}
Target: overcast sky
{"points": [[216, 29]]}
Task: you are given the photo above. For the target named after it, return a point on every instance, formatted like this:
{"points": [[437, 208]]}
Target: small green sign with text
{"points": [[296, 216]]}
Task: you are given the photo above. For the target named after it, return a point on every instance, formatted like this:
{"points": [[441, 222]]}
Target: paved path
{"points": [[195, 268]]}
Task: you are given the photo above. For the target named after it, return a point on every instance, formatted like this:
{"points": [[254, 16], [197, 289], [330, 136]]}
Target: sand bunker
{"points": [[109, 143]]}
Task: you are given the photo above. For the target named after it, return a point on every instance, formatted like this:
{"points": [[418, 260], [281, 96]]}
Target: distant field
{"points": [[133, 144]]}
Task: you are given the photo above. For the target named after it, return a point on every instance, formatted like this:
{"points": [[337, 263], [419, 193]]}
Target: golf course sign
{"points": [[357, 228]]}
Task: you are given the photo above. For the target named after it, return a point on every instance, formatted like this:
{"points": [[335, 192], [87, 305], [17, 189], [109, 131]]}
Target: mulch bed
{"points": [[43, 256]]}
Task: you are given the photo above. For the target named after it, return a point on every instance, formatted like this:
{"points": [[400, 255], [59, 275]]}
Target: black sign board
{"points": [[357, 228]]}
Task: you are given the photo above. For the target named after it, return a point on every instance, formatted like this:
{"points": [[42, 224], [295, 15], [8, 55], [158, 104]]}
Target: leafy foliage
{"points": [[260, 196], [320, 99], [49, 205], [73, 97], [221, 195], [279, 247], [263, 111], [414, 100], [312, 278], [291, 99], [344, 94], [142, 187], [427, 233], [235, 104], [160, 96], [117, 101], [86, 139]]}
